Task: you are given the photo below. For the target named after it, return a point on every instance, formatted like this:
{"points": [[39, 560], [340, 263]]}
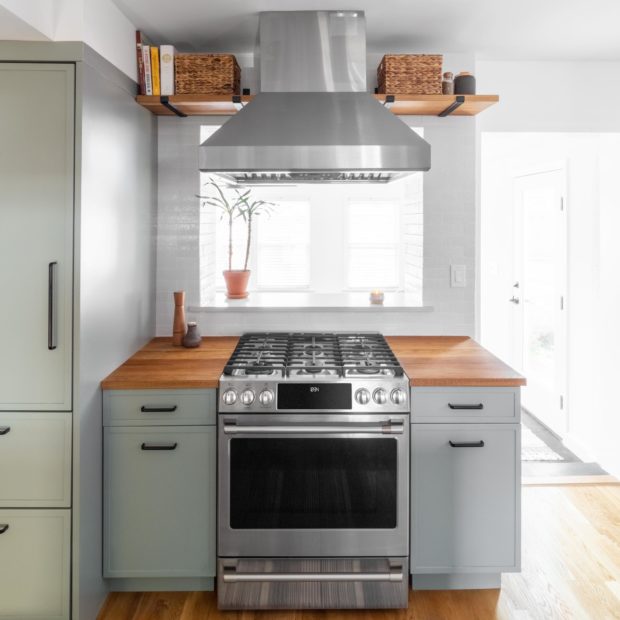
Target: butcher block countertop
{"points": [[427, 360]]}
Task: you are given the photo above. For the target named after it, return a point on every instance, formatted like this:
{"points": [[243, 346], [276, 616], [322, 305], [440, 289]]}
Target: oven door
{"points": [[318, 485]]}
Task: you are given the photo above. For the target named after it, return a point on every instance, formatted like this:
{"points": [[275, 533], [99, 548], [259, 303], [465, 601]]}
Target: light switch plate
{"points": [[458, 276]]}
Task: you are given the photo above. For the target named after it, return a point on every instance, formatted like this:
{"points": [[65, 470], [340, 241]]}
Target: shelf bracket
{"points": [[237, 102], [390, 100], [458, 102], [166, 103]]}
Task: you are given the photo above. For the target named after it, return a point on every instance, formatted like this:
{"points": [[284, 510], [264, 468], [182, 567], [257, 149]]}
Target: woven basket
{"points": [[207, 74], [410, 74]]}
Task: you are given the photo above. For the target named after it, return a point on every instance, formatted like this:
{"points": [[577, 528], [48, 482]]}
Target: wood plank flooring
{"points": [[571, 570]]}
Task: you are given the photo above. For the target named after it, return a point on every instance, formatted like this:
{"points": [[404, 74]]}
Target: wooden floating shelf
{"points": [[403, 105]]}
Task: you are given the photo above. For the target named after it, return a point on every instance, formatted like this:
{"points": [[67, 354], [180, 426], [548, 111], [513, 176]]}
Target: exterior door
{"points": [[36, 235], [539, 293]]}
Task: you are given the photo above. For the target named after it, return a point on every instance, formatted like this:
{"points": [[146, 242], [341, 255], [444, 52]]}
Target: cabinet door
{"points": [[159, 496], [36, 235], [34, 564], [35, 459], [465, 498]]}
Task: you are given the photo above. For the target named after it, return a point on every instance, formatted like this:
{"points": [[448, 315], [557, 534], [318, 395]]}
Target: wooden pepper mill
{"points": [[179, 326]]}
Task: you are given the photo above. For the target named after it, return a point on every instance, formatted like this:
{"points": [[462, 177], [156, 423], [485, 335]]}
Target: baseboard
{"points": [[165, 584], [457, 581]]}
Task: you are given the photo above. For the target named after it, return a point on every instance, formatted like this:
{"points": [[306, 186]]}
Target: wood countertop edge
{"points": [[204, 371]]}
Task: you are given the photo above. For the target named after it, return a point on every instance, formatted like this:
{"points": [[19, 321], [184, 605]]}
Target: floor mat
{"points": [[535, 449]]}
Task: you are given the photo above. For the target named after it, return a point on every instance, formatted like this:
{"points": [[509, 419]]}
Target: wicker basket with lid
{"points": [[207, 74], [410, 74]]}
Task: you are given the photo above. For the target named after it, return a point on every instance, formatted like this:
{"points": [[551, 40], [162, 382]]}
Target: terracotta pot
{"points": [[237, 283]]}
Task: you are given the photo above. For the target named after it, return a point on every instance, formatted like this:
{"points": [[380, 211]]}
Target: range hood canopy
{"points": [[329, 129]]}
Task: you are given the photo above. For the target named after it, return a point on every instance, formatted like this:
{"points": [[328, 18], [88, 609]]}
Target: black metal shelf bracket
{"points": [[458, 102], [238, 102], [390, 100], [166, 103]]}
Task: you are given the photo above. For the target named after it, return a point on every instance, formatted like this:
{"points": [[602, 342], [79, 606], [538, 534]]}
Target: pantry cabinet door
{"points": [[36, 235]]}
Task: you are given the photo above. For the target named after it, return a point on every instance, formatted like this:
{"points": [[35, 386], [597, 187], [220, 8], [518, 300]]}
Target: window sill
{"points": [[313, 302]]}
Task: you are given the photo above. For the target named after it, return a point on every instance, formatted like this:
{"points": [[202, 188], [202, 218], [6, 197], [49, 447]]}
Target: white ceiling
{"points": [[495, 29]]}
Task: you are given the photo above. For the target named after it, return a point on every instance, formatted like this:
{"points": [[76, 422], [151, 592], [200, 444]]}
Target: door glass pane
{"points": [[287, 483], [540, 279]]}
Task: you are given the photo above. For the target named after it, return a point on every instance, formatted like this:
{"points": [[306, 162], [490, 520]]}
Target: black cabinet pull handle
{"points": [[159, 446], [467, 444], [147, 409], [478, 406], [51, 305], [3, 527], [4, 430]]}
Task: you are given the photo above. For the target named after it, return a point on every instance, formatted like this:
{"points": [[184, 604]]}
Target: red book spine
{"points": [[141, 80]]}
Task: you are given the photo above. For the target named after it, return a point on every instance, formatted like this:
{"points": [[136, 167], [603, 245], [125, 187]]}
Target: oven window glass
{"points": [[318, 483]]}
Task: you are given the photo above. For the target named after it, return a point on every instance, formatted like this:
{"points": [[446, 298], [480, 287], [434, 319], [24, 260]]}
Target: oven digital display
{"points": [[314, 396]]}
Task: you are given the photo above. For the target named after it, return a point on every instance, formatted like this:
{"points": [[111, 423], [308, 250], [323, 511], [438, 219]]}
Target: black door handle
{"points": [[147, 409], [159, 446], [478, 406], [4, 430], [3, 527], [51, 305], [467, 444]]}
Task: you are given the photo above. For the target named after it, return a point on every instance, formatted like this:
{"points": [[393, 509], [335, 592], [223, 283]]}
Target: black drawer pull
{"points": [[147, 409], [467, 444], [3, 527], [159, 446], [4, 430], [478, 406]]}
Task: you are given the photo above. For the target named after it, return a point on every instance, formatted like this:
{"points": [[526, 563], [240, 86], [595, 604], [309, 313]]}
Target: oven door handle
{"points": [[388, 427], [395, 575]]}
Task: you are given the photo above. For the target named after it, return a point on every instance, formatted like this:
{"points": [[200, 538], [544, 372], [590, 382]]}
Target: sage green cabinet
{"points": [[34, 564], [159, 488], [36, 235]]}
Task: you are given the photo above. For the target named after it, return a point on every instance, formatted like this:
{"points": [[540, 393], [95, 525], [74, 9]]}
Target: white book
{"points": [[148, 77], [166, 64]]}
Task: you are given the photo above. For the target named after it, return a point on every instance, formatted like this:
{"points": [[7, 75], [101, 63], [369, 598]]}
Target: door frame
{"points": [[560, 166]]}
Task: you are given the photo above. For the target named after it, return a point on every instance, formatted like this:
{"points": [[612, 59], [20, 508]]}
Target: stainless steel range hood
{"points": [[313, 121]]}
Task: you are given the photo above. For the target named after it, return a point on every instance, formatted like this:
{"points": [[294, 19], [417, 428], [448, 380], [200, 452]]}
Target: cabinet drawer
{"points": [[470, 404], [35, 459], [34, 564], [465, 498], [158, 407], [159, 504]]}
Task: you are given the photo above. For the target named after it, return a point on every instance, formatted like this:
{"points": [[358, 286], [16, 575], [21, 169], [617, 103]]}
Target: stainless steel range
{"points": [[313, 477]]}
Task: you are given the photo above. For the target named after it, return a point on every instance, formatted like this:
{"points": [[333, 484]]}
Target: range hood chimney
{"points": [[313, 121]]}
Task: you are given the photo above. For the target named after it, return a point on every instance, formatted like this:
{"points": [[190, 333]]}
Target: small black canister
{"points": [[464, 84]]}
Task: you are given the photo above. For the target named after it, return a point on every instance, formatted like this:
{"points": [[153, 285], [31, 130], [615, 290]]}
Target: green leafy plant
{"points": [[233, 203], [250, 210]]}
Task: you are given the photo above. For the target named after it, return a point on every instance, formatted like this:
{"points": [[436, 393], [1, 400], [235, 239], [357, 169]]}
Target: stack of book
{"points": [[155, 67]]}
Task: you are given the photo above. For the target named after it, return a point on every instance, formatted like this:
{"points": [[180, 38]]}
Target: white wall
{"points": [[99, 23], [556, 97]]}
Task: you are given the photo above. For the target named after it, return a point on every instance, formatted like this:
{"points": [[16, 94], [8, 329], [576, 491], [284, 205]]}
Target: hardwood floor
{"points": [[571, 570]]}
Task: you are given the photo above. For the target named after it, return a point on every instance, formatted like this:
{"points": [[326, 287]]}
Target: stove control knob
{"points": [[265, 398], [362, 396], [229, 397], [380, 396], [247, 397], [398, 396]]}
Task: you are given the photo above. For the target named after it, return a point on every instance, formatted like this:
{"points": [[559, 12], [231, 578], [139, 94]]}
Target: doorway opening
{"points": [[547, 200]]}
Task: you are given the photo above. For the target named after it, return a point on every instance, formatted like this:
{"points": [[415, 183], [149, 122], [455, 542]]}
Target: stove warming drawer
{"points": [[313, 583]]}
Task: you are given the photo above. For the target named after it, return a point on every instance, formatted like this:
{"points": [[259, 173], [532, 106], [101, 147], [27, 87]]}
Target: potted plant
{"points": [[234, 203]]}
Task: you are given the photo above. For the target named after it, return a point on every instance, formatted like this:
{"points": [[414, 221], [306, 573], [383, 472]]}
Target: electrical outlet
{"points": [[458, 276]]}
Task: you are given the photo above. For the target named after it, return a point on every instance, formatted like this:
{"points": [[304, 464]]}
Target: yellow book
{"points": [[155, 69]]}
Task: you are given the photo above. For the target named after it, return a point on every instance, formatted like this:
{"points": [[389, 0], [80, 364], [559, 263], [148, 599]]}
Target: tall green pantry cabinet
{"points": [[36, 280], [77, 258]]}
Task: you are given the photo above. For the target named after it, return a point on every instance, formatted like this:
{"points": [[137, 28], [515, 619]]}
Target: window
{"points": [[322, 239]]}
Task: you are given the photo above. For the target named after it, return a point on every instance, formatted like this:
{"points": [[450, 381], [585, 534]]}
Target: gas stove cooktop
{"points": [[298, 355], [340, 371]]}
